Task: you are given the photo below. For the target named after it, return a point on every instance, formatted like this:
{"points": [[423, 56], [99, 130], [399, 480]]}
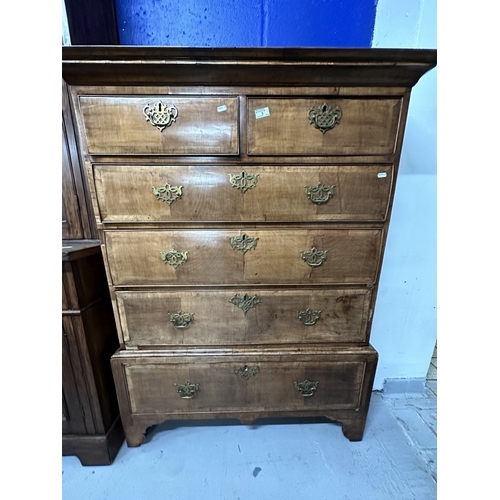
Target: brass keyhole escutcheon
{"points": [[245, 303], [243, 181], [174, 258], [243, 243], [324, 117], [160, 115], [167, 193], [246, 372]]}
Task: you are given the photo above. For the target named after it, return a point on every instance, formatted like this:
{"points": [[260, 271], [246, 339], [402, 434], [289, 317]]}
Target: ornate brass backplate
{"points": [[160, 116], [243, 243], [314, 257], [324, 117], [246, 302], [320, 193], [246, 372], [187, 390], [308, 317], [306, 388], [243, 181], [174, 258], [167, 193], [181, 319]]}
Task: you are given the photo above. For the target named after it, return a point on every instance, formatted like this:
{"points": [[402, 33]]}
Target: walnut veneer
{"points": [[242, 197]]}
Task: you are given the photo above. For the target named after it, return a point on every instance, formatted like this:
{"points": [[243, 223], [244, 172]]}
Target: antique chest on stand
{"points": [[242, 199]]}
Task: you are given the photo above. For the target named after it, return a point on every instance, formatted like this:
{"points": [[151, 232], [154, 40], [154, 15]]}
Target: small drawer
{"points": [[175, 384], [206, 257], [160, 125], [206, 193], [346, 126], [245, 317]]}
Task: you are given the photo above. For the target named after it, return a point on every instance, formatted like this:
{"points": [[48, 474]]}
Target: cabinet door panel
{"points": [[73, 420]]}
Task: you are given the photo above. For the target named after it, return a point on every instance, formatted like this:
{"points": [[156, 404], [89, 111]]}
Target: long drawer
{"points": [[246, 317], [211, 257], [355, 126], [160, 124], [210, 193], [172, 384]]}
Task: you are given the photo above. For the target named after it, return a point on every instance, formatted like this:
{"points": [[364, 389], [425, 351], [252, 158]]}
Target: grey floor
{"points": [[286, 460]]}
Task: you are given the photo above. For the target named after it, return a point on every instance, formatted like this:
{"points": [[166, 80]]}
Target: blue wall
{"points": [[246, 23]]}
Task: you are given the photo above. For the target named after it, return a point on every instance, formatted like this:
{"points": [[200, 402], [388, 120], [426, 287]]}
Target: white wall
{"points": [[404, 323]]}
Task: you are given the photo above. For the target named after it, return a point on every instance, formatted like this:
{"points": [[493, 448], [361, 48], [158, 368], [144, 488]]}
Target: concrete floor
{"points": [[293, 461]]}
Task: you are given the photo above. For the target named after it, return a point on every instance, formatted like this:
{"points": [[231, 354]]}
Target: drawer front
{"points": [[243, 317], [169, 385], [333, 256], [192, 126], [256, 193], [283, 126]]}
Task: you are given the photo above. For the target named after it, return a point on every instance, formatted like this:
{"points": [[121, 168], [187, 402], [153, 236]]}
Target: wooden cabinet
{"points": [[78, 221], [243, 199], [91, 426]]}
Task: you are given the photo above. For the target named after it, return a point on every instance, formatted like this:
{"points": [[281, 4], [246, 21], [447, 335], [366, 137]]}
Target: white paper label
{"points": [[222, 108], [382, 175], [262, 112]]}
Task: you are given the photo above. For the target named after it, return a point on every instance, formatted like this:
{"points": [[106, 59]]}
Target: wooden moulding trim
{"points": [[357, 352], [346, 55], [211, 66]]}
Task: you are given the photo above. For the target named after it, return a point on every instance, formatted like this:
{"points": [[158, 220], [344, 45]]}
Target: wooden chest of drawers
{"points": [[242, 198]]}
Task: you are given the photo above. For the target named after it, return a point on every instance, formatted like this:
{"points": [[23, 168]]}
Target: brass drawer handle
{"points": [[160, 116], [246, 302], [306, 388], [174, 258], [167, 193], [181, 319], [314, 257], [308, 317], [320, 193], [187, 390], [246, 372], [243, 181], [324, 117], [243, 243]]}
